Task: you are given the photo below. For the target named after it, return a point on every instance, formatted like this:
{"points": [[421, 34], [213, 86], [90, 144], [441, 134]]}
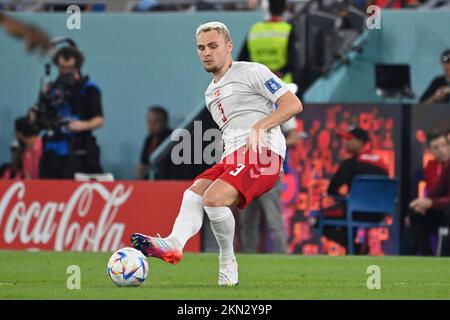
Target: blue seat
{"points": [[369, 194]]}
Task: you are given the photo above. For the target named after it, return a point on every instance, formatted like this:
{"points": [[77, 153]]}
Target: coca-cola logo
{"points": [[68, 224]]}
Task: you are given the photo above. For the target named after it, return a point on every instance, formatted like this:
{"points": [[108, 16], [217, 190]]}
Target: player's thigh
{"points": [[200, 186], [221, 193]]}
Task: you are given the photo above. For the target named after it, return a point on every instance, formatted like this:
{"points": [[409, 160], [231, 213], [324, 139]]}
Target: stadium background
{"points": [[139, 60]]}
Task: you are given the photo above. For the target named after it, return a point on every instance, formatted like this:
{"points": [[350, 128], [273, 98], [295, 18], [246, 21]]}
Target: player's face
{"points": [[213, 50], [439, 148]]}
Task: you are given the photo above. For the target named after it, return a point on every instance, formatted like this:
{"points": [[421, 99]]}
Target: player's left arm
{"points": [[288, 106]]}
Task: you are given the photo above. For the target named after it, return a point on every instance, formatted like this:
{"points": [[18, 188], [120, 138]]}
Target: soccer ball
{"points": [[127, 267]]}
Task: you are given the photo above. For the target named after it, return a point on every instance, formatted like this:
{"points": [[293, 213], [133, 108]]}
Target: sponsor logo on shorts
{"points": [[272, 85]]}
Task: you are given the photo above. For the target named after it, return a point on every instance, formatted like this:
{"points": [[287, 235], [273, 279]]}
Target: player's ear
{"points": [[230, 46]]}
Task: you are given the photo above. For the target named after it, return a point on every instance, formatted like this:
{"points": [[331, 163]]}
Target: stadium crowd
{"points": [[195, 5]]}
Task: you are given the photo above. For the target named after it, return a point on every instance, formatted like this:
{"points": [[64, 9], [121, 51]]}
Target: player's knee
{"points": [[191, 193], [199, 187], [212, 199]]}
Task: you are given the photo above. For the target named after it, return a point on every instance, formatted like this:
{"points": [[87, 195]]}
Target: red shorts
{"points": [[250, 174]]}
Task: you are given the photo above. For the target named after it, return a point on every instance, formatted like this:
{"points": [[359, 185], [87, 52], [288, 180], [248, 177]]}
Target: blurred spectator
{"points": [[14, 169], [300, 232], [394, 4], [158, 131], [253, 4], [67, 113], [163, 5], [145, 5], [439, 89], [83, 7], [438, 145], [360, 162], [7, 5], [27, 135], [432, 211], [272, 42]]}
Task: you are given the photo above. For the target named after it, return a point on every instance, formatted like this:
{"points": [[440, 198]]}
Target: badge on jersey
{"points": [[272, 85]]}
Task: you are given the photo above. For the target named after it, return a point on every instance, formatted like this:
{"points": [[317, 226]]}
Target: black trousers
{"points": [[422, 226], [54, 166]]}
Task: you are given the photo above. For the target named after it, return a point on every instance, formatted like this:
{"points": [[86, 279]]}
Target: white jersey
{"points": [[245, 94]]}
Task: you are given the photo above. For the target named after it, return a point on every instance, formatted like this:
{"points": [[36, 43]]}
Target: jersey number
{"points": [[238, 169], [224, 118]]}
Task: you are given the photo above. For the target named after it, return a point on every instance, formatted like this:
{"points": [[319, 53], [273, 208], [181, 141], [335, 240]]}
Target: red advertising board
{"points": [[86, 216]]}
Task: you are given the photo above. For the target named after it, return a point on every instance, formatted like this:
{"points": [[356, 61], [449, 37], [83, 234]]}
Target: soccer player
{"points": [[241, 100]]}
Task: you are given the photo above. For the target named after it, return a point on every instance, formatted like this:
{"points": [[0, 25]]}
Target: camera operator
{"points": [[68, 110]]}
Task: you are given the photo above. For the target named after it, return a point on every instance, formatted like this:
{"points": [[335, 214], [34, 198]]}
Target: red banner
{"points": [[86, 216]]}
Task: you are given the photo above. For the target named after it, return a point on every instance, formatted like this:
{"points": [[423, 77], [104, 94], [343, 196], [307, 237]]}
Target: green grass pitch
{"points": [[42, 275]]}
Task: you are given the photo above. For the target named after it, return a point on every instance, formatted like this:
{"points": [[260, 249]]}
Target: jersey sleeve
{"points": [[289, 125], [267, 84]]}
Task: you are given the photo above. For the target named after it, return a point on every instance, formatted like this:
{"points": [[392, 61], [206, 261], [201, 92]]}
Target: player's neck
{"points": [[220, 73]]}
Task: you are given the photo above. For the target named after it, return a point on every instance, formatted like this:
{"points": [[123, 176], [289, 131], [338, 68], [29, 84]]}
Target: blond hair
{"points": [[214, 25]]}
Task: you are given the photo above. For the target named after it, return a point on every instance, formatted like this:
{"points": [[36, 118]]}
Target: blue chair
{"points": [[369, 194]]}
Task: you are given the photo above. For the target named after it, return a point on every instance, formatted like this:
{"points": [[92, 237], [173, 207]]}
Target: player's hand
{"points": [[256, 139], [77, 126]]}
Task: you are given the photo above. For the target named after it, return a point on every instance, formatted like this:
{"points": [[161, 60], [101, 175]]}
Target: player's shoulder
{"points": [[251, 71], [250, 66]]}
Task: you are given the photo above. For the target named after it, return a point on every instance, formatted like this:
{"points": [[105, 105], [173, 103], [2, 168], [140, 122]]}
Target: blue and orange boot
{"points": [[156, 247]]}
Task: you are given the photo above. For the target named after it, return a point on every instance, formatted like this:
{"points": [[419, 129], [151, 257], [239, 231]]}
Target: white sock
{"points": [[189, 220], [222, 225]]}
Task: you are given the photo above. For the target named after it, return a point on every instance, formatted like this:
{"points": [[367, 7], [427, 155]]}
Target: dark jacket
{"points": [[364, 163]]}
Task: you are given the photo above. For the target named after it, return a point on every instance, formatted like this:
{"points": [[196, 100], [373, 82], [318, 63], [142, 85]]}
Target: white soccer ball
{"points": [[128, 267]]}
